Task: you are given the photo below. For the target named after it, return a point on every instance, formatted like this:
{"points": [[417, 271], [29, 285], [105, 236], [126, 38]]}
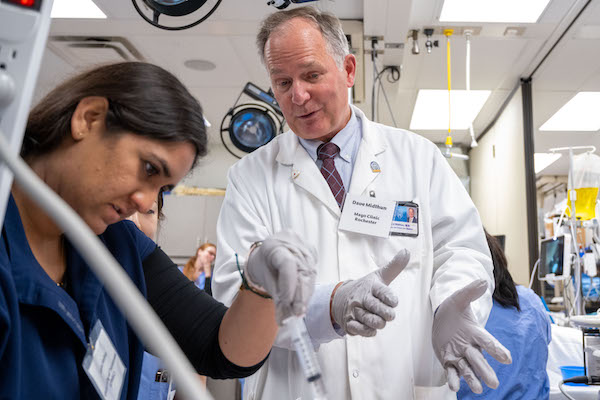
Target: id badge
{"points": [[103, 365], [406, 219], [367, 215]]}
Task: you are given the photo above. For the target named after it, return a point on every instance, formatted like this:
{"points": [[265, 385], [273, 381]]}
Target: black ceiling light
{"points": [[281, 4], [252, 125], [173, 8]]}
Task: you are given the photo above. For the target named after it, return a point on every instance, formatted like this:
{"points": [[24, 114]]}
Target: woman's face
{"points": [[108, 177], [147, 222], [206, 256]]}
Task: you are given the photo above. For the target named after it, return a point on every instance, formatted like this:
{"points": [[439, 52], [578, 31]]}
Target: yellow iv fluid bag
{"points": [[586, 181], [585, 205]]}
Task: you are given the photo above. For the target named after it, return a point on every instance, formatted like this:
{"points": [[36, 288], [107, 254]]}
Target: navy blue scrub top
{"points": [[44, 330]]}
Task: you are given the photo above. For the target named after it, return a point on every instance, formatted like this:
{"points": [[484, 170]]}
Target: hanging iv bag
{"points": [[586, 176]]}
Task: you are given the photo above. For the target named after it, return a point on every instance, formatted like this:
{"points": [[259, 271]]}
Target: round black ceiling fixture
{"points": [[283, 4], [251, 128], [173, 8], [252, 125]]}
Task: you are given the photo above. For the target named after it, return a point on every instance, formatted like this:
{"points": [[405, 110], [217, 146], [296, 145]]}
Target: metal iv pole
{"points": [[579, 306]]}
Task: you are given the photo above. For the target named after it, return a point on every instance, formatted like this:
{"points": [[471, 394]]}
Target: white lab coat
{"points": [[280, 187]]}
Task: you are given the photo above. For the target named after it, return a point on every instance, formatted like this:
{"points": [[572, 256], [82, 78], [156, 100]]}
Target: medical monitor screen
{"points": [[552, 256], [502, 240]]}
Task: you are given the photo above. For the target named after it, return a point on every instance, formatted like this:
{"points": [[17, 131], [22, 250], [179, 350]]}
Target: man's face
{"points": [[308, 85], [411, 212]]}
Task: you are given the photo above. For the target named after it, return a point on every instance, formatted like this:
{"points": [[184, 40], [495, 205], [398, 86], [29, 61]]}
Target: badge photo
{"points": [[405, 221]]}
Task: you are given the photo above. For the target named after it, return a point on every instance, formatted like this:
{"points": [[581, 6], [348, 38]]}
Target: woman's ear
{"points": [[89, 117]]}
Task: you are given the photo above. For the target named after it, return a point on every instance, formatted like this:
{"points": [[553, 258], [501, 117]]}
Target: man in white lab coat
{"points": [[281, 186]]}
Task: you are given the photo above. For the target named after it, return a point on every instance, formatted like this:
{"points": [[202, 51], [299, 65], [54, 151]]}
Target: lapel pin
{"points": [[375, 166], [295, 174]]}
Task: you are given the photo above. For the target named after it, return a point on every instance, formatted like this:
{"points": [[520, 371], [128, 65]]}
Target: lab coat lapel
{"points": [[368, 165], [304, 171]]}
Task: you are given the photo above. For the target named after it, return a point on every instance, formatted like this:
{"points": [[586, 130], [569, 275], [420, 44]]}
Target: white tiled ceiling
{"points": [[227, 40]]}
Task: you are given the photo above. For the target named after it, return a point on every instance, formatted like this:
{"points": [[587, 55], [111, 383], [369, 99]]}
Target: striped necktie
{"points": [[327, 152]]}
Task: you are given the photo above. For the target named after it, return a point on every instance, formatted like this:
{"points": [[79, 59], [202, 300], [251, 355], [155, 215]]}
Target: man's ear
{"points": [[89, 116], [350, 69]]}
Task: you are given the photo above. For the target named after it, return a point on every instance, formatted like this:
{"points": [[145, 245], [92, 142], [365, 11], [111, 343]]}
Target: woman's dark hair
{"points": [[143, 99], [505, 292]]}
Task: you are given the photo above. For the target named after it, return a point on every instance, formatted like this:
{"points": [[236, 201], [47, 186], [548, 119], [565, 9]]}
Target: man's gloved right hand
{"points": [[364, 305]]}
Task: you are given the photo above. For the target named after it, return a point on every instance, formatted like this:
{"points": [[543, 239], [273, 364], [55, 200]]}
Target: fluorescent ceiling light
{"points": [[543, 160], [76, 9], [431, 109], [581, 113], [518, 11]]}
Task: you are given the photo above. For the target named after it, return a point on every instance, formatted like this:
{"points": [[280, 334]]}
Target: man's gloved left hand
{"points": [[284, 266], [458, 340], [365, 305]]}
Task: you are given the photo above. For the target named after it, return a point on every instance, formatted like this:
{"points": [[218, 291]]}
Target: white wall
{"points": [[498, 186], [189, 222], [192, 220]]}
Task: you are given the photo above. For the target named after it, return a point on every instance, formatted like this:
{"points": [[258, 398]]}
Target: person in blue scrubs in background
{"points": [[154, 380], [520, 322], [148, 221], [108, 141], [198, 269]]}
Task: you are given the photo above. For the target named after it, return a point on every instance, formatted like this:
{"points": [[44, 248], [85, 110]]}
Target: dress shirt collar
{"points": [[342, 139]]}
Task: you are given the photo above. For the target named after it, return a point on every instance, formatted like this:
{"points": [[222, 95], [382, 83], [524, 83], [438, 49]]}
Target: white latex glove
{"points": [[364, 305], [458, 340], [284, 266]]}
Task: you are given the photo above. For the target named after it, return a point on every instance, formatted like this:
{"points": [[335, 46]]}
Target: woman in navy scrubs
{"points": [[107, 141]]}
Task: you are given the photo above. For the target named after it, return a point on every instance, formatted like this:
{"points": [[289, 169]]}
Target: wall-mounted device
{"points": [[429, 44], [555, 258], [24, 29], [414, 35]]}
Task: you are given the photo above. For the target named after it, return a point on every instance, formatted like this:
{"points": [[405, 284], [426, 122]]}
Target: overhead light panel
{"points": [[76, 9], [578, 114], [431, 109], [543, 160], [517, 11]]}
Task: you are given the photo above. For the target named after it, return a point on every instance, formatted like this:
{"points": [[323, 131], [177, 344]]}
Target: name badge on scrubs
{"points": [[103, 365], [406, 219], [367, 215]]}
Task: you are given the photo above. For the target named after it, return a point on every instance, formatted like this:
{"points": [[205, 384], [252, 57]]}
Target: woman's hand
{"points": [[284, 266]]}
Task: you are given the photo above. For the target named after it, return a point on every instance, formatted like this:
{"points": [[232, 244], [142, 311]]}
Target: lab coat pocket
{"points": [[434, 393], [387, 248]]}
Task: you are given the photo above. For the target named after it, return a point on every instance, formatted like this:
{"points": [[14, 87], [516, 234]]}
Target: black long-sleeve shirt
{"points": [[191, 315]]}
